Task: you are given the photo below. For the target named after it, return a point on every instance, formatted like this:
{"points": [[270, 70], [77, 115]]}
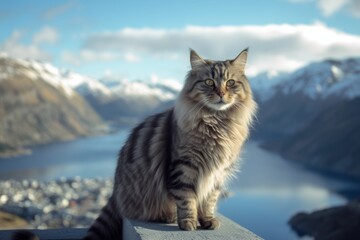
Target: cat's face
{"points": [[218, 85]]}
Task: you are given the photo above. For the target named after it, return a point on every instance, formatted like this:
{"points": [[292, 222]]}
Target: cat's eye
{"points": [[209, 82], [230, 83]]}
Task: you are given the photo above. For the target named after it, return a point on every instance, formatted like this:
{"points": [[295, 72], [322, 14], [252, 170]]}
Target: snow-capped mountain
{"points": [[37, 107], [34, 70], [164, 91], [111, 97], [83, 85], [65, 80], [264, 84], [116, 98], [324, 79], [319, 80], [115, 87], [298, 97], [313, 116]]}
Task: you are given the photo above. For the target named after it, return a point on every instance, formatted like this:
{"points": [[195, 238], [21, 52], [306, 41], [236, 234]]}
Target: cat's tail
{"points": [[109, 224]]}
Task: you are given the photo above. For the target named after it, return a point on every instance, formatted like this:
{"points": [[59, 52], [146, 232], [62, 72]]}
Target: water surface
{"points": [[266, 193]]}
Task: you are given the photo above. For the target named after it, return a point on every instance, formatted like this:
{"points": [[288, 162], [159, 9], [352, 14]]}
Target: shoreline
{"points": [[318, 169], [15, 153], [55, 204], [103, 129]]}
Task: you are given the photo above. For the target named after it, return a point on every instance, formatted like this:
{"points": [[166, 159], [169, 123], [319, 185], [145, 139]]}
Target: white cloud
{"points": [[88, 55], [108, 73], [130, 57], [46, 35], [281, 47], [330, 7], [354, 8], [14, 48], [84, 56]]}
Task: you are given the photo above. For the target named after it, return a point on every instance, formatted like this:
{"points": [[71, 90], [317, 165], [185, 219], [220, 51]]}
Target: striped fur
{"points": [[174, 164]]}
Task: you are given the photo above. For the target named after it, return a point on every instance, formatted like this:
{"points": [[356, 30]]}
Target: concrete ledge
{"points": [[137, 230]]}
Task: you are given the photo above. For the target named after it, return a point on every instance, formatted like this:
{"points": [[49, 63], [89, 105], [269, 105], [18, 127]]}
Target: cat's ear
{"points": [[195, 59], [240, 60]]}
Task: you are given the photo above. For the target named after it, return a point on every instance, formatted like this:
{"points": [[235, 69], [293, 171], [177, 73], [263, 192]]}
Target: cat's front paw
{"points": [[210, 224], [188, 224]]}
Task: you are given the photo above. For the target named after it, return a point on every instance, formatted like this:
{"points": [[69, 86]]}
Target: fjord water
{"points": [[266, 193]]}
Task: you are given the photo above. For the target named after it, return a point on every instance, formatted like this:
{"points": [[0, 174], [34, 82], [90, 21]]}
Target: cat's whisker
{"points": [[240, 106], [203, 103], [199, 104], [192, 109], [195, 107]]}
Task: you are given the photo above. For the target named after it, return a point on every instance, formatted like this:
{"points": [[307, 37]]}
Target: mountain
{"points": [[300, 96], [264, 85], [116, 98], [36, 107], [327, 79], [313, 116], [330, 142], [319, 80]]}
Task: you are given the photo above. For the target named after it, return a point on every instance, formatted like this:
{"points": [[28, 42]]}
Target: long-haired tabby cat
{"points": [[174, 164]]}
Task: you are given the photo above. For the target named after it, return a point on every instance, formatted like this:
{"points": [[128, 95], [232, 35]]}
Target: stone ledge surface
{"points": [[138, 230]]}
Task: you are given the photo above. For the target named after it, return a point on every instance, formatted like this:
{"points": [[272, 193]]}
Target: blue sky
{"points": [[150, 39]]}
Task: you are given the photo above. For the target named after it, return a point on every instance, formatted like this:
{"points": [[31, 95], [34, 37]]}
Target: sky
{"points": [[150, 40]]}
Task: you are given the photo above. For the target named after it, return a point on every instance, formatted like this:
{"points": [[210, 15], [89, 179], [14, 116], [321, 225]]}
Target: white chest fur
{"points": [[208, 182]]}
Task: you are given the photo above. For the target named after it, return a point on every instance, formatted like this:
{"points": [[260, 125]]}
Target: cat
{"points": [[174, 164]]}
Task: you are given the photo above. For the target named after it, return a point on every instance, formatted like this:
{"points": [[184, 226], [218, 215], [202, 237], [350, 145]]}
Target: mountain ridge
{"points": [[313, 117], [37, 108], [116, 99]]}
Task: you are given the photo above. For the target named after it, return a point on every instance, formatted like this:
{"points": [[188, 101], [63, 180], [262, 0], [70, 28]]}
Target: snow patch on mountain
{"points": [[325, 79], [122, 87], [264, 84], [106, 88], [52, 75], [34, 70]]}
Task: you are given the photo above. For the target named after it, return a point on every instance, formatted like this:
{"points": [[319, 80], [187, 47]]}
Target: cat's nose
{"points": [[221, 93]]}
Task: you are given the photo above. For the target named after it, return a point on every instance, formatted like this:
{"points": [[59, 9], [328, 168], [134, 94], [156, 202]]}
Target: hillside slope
{"points": [[37, 109], [313, 117], [331, 141], [299, 97]]}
